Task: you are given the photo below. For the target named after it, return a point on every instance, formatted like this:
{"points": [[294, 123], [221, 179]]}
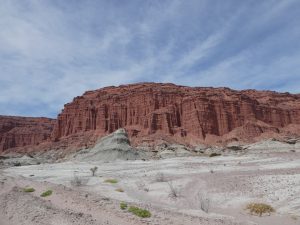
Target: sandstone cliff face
{"points": [[184, 114], [23, 131]]}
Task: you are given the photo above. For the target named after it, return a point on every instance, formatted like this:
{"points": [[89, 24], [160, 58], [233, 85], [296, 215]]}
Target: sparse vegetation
{"points": [[174, 192], [47, 193], [123, 205], [29, 189], [260, 208], [204, 202], [119, 190], [146, 189], [294, 217], [79, 181], [112, 181], [94, 170], [144, 213], [214, 154], [142, 186], [105, 199], [160, 177]]}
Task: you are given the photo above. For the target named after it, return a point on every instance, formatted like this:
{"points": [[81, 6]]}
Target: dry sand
{"points": [[228, 183]]}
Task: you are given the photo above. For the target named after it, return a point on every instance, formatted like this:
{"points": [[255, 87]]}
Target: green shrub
{"points": [[46, 193], [214, 154], [28, 189], [259, 208], [139, 212], [123, 205], [112, 181]]}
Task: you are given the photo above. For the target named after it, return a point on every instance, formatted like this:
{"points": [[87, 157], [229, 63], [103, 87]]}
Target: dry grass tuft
{"points": [[294, 217], [119, 190], [260, 208], [29, 189], [112, 181]]}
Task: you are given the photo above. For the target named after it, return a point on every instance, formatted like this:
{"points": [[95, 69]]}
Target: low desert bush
{"points": [[123, 205], [144, 213], [46, 193], [214, 154], [260, 208], [94, 170], [294, 217], [160, 177], [28, 189], [174, 192], [119, 190], [112, 181], [79, 181], [142, 186], [204, 202]]}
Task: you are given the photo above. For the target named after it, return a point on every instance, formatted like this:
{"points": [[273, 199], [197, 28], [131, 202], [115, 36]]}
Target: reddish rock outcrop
{"points": [[152, 111], [23, 131]]}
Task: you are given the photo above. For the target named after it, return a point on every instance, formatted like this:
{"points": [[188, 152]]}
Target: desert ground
{"points": [[183, 190]]}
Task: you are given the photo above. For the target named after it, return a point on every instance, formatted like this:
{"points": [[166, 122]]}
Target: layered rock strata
{"points": [[149, 111], [24, 131]]}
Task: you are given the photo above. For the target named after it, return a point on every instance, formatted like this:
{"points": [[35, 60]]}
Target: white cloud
{"points": [[51, 53]]}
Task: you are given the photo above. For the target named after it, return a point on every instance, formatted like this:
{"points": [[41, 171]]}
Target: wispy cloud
{"points": [[52, 51]]}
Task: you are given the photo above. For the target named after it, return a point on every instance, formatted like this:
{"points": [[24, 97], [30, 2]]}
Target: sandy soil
{"points": [[227, 183]]}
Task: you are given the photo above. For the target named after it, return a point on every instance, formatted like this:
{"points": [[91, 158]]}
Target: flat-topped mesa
{"points": [[180, 113], [24, 131]]}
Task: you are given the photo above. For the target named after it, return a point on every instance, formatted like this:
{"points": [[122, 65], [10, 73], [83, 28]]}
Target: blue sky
{"points": [[52, 51]]}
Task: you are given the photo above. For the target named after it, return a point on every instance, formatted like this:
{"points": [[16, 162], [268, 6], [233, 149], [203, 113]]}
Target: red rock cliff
{"points": [[23, 131], [180, 113]]}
